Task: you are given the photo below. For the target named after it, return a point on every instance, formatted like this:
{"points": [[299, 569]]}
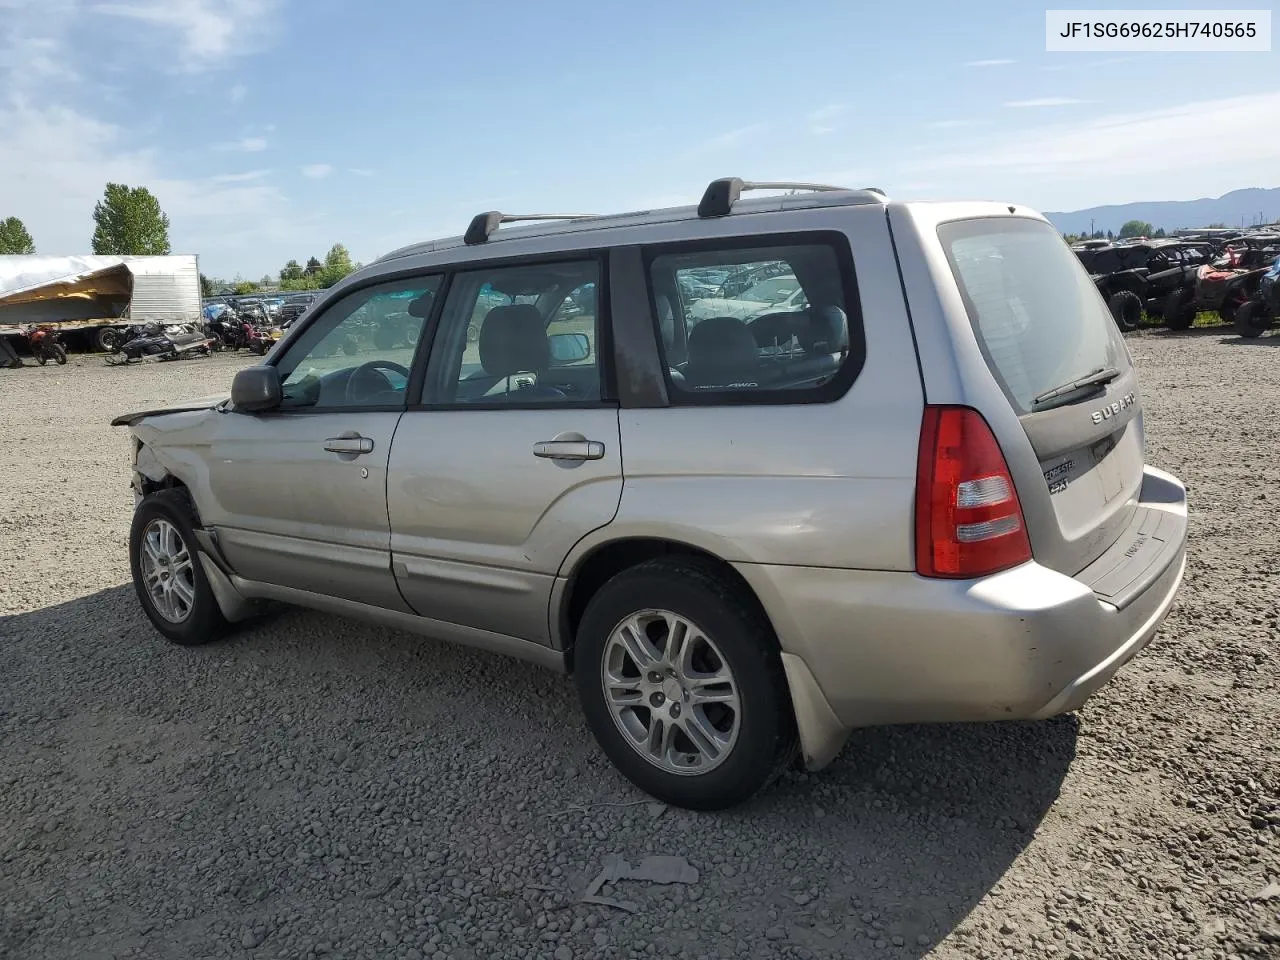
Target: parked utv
{"points": [[1225, 285], [1256, 315], [1138, 277]]}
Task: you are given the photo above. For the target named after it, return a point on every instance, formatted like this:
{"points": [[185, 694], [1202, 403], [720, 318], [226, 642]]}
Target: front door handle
{"points": [[350, 445], [569, 449]]}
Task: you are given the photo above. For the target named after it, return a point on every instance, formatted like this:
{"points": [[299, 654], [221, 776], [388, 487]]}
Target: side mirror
{"points": [[256, 388], [569, 348]]}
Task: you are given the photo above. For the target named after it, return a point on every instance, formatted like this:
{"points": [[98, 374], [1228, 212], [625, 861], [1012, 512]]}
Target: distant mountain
{"points": [[1171, 214]]}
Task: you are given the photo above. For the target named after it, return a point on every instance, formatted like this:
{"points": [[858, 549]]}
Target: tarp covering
{"points": [[153, 288], [27, 278]]}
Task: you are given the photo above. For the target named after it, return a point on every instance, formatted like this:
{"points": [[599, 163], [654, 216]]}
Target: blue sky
{"points": [[270, 129]]}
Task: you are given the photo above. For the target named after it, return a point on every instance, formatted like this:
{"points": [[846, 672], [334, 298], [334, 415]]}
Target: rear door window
{"points": [[775, 320], [1037, 316]]}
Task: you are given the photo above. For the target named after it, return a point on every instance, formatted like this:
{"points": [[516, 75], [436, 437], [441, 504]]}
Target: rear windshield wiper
{"points": [[1094, 379]]}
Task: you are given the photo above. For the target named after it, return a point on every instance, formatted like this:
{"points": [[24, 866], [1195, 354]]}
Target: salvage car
{"points": [[921, 496]]}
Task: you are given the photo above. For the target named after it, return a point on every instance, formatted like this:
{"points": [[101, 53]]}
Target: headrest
{"points": [[721, 344], [513, 339], [776, 329], [826, 332]]}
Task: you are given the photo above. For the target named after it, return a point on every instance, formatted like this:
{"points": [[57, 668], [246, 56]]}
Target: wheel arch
{"points": [[593, 566]]}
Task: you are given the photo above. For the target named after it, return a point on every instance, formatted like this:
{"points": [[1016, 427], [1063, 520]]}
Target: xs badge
{"points": [[1113, 409]]}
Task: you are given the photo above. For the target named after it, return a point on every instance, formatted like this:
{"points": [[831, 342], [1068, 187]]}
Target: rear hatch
{"points": [[1050, 343]]}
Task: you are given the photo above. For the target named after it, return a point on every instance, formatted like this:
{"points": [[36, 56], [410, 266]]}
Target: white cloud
{"points": [[58, 151], [1141, 144], [728, 139], [820, 120], [245, 145], [209, 31], [990, 63], [246, 177], [317, 171], [948, 124], [1046, 102], [238, 92]]}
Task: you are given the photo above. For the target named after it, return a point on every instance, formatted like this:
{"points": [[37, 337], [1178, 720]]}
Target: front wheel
{"points": [[167, 576], [59, 354], [40, 356], [1126, 310], [1251, 319], [681, 682]]}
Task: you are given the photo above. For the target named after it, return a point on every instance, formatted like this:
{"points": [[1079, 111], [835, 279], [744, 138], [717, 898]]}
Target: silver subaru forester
{"points": [[757, 473]]}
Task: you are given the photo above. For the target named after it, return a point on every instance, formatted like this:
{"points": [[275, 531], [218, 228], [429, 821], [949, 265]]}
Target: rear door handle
{"points": [[351, 445], [569, 449]]}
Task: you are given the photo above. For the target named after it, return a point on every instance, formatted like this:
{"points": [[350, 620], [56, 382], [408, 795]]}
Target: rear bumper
{"points": [[868, 647]]}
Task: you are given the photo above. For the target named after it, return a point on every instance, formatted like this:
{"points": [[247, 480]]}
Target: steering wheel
{"points": [[352, 395]]}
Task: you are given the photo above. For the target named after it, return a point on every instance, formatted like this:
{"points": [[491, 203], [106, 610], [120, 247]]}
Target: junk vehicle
{"points": [[1256, 315], [1138, 277], [153, 342], [1223, 286], [92, 300], [46, 344], [746, 586]]}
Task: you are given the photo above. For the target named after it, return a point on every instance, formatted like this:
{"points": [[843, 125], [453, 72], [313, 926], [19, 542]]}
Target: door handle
{"points": [[352, 445], [569, 450]]}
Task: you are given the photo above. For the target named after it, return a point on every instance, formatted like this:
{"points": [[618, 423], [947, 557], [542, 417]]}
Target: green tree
{"points": [[243, 287], [1159, 232], [337, 264], [302, 283], [14, 237], [1136, 228], [314, 266], [129, 221], [206, 286], [292, 271]]}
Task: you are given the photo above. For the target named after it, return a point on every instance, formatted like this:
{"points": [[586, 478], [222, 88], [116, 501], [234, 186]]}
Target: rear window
{"points": [[1036, 314]]}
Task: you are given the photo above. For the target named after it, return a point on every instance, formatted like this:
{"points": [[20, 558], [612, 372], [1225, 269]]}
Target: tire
{"points": [[1126, 310], [1251, 319], [107, 339], [1179, 309], [59, 354], [756, 740], [1232, 303], [157, 515], [40, 356]]}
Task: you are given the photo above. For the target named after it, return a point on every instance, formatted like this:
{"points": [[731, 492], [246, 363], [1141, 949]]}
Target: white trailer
{"points": [[91, 297]]}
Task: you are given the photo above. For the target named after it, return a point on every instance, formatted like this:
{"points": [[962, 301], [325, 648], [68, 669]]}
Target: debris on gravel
{"points": [[313, 787]]}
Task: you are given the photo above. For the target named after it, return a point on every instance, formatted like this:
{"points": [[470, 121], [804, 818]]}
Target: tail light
{"points": [[968, 518]]}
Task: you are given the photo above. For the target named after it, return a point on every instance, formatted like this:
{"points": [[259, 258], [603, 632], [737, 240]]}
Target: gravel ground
{"points": [[313, 787]]}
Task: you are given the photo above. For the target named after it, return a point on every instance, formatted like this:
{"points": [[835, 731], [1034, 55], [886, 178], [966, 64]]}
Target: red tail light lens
{"points": [[968, 518]]}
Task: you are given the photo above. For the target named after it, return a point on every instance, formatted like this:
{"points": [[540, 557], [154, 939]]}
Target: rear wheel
{"points": [[1179, 309], [107, 339], [167, 576], [681, 682], [1126, 309], [40, 356], [1232, 303], [59, 354], [1251, 319]]}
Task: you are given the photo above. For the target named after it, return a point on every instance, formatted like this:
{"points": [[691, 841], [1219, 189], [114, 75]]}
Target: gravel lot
{"points": [[313, 787]]}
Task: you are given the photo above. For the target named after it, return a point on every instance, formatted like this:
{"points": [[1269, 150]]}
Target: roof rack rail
{"points": [[721, 195], [483, 225]]}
